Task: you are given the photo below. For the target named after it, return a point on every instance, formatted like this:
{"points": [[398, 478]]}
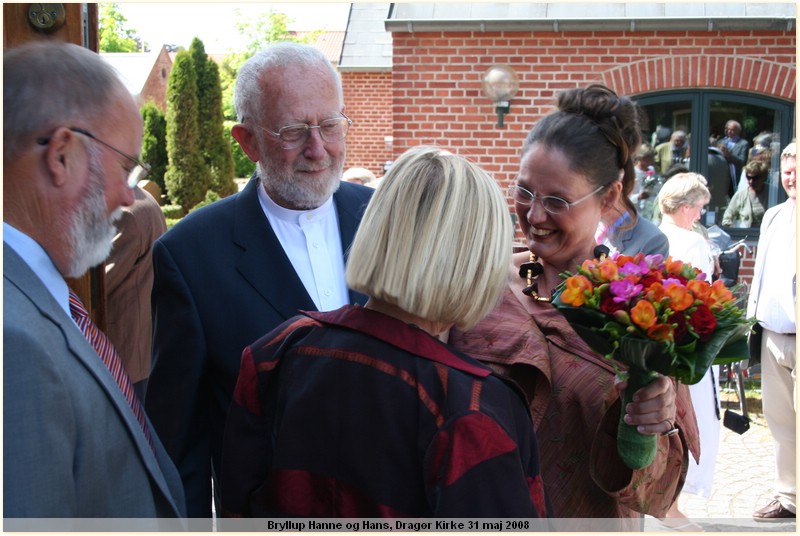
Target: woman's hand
{"points": [[653, 408]]}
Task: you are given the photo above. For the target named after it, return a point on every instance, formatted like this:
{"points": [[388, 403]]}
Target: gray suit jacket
{"points": [[72, 446], [644, 237]]}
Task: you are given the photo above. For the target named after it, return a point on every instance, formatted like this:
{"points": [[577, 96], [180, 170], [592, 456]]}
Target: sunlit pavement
{"points": [[742, 483]]}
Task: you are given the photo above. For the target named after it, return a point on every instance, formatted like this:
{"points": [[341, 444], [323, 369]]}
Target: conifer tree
{"points": [[154, 144], [187, 178], [212, 143]]}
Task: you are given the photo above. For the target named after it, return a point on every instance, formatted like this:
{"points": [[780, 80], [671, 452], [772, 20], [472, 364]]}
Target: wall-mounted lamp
{"points": [[500, 84]]}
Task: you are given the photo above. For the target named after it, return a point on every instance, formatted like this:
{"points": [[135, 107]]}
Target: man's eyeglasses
{"points": [[330, 130], [753, 177], [137, 173], [551, 203]]}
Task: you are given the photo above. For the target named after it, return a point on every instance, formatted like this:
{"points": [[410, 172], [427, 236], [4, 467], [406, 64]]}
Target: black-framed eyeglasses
{"points": [[330, 130], [139, 170], [753, 177], [551, 203]]}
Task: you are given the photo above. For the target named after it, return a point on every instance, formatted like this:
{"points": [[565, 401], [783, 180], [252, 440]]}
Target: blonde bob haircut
{"points": [[683, 189], [435, 239]]}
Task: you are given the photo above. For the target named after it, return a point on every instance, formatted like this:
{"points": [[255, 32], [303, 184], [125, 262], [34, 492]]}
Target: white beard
{"points": [[301, 192], [91, 232]]}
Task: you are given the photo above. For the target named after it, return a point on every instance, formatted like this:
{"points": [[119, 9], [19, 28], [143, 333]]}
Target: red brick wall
{"points": [[435, 86], [368, 102], [155, 87], [437, 95]]}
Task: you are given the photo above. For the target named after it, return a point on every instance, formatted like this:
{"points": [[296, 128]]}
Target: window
{"points": [[767, 126]]}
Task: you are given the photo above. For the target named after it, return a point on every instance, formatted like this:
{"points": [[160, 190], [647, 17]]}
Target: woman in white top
{"points": [[681, 200]]}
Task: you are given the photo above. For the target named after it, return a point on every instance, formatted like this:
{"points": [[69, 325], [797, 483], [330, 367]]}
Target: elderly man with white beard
{"points": [[230, 272]]}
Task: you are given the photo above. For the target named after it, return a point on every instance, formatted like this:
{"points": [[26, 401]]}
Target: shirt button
{"points": [[315, 244], [327, 292]]}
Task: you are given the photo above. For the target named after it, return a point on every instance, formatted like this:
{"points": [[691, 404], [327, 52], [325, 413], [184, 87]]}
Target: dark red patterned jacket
{"points": [[355, 414]]}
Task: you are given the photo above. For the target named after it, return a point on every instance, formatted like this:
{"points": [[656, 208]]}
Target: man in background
{"points": [[773, 302], [129, 283]]}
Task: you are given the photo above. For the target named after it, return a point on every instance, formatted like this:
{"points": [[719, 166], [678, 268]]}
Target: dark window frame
{"points": [[700, 101]]}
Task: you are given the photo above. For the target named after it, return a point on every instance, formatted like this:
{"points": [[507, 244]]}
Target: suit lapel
{"points": [[21, 276], [262, 252]]}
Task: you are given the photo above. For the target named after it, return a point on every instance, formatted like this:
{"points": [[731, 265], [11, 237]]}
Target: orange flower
{"points": [[655, 292], [576, 287], [720, 294], [622, 260], [680, 298], [660, 332], [643, 314], [607, 270], [700, 289], [674, 266]]}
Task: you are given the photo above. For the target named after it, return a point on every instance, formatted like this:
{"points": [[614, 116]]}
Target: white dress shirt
{"points": [[313, 244]]}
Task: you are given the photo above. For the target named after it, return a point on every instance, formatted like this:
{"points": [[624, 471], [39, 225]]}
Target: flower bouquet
{"points": [[654, 316]]}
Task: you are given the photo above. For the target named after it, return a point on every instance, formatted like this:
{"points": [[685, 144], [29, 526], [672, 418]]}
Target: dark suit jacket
{"points": [[222, 280], [72, 446]]}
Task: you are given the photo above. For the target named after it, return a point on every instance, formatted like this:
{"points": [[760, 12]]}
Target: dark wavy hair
{"points": [[598, 131]]}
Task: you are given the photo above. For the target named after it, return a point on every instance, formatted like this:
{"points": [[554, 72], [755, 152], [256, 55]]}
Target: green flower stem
{"points": [[635, 449]]}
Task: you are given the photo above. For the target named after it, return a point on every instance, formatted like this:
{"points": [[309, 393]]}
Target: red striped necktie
{"points": [[109, 355]]}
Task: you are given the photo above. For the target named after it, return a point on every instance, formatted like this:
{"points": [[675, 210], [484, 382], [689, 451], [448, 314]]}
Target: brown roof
{"points": [[330, 43]]}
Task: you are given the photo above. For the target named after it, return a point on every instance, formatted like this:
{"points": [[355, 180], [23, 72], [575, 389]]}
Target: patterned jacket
{"points": [[356, 414]]}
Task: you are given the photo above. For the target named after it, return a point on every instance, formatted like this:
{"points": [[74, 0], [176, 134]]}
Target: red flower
{"points": [[679, 319], [650, 278], [609, 306], [703, 322]]}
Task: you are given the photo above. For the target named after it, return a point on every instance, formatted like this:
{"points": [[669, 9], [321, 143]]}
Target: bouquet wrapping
{"points": [[654, 316]]}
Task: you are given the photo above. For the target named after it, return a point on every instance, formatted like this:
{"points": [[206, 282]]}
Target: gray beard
{"points": [[91, 233], [301, 194]]}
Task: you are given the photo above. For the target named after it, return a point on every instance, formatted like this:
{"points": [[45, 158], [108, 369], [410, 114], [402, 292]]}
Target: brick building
{"points": [[412, 73]]}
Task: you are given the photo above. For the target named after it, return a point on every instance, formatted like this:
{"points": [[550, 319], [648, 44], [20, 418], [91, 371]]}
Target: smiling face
{"points": [[567, 239], [789, 175]]}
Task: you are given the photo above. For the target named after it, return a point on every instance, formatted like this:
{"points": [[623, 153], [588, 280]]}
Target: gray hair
{"points": [[48, 84], [682, 189], [247, 93]]}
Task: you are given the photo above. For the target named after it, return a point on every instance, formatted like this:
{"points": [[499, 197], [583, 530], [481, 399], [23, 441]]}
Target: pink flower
{"points": [[624, 289]]}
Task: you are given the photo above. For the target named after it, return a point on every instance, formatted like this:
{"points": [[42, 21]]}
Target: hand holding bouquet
{"points": [[653, 316]]}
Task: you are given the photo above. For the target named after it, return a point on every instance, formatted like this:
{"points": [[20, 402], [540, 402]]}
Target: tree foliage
{"points": [[112, 34], [187, 178], [154, 143], [212, 142]]}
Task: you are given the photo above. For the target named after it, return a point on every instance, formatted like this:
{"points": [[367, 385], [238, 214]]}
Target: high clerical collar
{"points": [[290, 215]]}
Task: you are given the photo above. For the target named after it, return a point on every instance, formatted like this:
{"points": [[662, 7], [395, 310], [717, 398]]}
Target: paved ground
{"points": [[742, 483]]}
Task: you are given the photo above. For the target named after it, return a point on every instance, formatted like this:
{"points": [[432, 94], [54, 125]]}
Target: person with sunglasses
{"points": [[747, 207], [573, 166], [231, 271], [76, 441]]}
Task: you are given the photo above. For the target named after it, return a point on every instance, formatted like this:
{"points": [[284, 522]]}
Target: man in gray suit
{"points": [[75, 446]]}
